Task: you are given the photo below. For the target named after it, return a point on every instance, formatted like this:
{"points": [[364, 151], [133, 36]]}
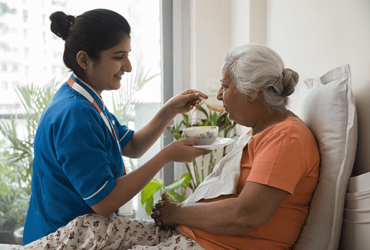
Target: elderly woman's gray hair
{"points": [[253, 66]]}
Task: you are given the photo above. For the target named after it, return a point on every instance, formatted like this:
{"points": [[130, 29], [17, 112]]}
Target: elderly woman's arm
{"points": [[254, 207]]}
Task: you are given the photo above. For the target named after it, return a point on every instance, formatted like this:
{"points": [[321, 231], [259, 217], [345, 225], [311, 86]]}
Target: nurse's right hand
{"points": [[183, 151]]}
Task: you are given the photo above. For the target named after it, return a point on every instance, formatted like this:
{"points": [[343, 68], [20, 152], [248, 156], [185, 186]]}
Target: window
{"points": [[25, 34], [26, 52], [4, 47], [15, 68], [4, 68], [4, 85], [25, 16], [30, 60]]}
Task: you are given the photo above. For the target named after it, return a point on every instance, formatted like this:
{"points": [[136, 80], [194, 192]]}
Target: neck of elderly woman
{"points": [[264, 116]]}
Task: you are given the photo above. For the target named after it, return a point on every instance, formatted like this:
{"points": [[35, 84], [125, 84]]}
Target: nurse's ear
{"points": [[83, 59]]}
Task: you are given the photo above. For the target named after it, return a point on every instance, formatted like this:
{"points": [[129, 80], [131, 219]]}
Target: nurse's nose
{"points": [[127, 65]]}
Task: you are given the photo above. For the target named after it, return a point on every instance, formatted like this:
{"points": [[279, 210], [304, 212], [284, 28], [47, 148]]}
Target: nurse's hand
{"points": [[185, 101], [183, 151]]}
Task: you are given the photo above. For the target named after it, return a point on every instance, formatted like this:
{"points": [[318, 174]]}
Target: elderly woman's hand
{"points": [[165, 212]]}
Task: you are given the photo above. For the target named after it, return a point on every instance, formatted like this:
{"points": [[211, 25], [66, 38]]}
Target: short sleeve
{"points": [[86, 163], [124, 133], [278, 162]]}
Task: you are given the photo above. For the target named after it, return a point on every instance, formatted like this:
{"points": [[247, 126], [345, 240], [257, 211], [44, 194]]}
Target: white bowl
{"points": [[203, 135]]}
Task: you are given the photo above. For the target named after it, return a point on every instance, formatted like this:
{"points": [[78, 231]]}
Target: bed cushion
{"points": [[9, 246], [329, 110]]}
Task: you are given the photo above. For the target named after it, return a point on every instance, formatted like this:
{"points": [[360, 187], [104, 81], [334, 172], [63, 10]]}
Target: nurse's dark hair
{"points": [[93, 32]]}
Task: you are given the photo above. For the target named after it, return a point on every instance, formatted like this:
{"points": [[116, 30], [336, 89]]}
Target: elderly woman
{"points": [[277, 163], [258, 195]]}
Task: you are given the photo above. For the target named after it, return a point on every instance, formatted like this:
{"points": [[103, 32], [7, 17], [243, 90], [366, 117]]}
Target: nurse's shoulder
{"points": [[67, 111]]}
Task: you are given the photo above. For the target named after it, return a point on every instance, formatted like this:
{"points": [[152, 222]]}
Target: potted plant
{"points": [[16, 156], [14, 198], [124, 102], [200, 168]]}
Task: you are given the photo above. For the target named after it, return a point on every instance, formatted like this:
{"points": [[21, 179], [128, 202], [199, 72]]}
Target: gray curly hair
{"points": [[253, 66]]}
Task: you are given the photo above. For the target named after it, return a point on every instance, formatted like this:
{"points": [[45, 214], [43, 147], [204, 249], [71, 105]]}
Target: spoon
{"points": [[212, 106]]}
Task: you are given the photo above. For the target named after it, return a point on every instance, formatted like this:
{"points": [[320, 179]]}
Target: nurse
{"points": [[78, 166]]}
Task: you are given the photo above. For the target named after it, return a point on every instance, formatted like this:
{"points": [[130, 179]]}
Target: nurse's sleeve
{"points": [[85, 162], [124, 133]]}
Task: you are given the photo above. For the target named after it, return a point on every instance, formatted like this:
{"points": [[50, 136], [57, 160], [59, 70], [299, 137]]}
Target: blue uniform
{"points": [[76, 162]]}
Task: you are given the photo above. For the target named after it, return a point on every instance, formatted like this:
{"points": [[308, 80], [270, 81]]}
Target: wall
{"points": [[210, 40], [314, 37], [311, 36], [202, 37]]}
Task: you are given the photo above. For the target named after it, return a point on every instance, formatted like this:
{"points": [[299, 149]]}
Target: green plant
{"points": [[16, 153], [147, 194], [14, 197], [16, 150], [32, 101], [198, 172], [124, 102]]}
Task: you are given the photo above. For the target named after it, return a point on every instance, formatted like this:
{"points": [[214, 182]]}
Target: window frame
{"points": [[166, 14]]}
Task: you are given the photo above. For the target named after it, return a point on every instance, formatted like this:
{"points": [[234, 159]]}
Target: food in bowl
{"points": [[203, 135]]}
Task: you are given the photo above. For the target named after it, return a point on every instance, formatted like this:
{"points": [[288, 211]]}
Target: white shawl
{"points": [[225, 176]]}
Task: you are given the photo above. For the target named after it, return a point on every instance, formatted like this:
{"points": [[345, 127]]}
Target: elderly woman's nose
{"points": [[220, 94]]}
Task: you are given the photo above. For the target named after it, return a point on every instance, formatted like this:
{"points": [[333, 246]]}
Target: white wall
{"points": [[210, 41], [202, 37], [312, 37]]}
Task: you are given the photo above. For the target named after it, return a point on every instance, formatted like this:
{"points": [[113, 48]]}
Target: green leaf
{"points": [[182, 182], [187, 180], [175, 185], [201, 109], [149, 205], [150, 189], [175, 196], [3, 189], [124, 101]]}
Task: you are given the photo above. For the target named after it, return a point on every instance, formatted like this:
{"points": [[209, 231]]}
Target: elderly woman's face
{"points": [[235, 103]]}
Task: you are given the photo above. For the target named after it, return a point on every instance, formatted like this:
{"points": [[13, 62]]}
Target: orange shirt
{"points": [[283, 156]]}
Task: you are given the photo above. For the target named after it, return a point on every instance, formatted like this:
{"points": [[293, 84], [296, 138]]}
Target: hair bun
{"points": [[290, 80], [60, 24]]}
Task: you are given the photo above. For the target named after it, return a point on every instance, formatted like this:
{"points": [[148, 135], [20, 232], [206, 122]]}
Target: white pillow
{"points": [[329, 110]]}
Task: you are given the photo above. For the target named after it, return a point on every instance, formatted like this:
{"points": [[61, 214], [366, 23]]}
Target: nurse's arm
{"points": [[129, 185], [144, 138]]}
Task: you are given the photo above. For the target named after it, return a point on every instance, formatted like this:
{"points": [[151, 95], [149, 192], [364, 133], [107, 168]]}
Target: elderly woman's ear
{"points": [[252, 97]]}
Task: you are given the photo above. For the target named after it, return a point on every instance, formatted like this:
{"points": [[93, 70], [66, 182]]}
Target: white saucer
{"points": [[219, 143]]}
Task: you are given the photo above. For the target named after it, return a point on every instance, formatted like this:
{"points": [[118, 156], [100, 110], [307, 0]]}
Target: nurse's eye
{"points": [[119, 57]]}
